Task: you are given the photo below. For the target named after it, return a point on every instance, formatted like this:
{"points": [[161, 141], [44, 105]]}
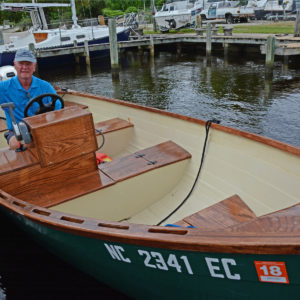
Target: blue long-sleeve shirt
{"points": [[12, 91]]}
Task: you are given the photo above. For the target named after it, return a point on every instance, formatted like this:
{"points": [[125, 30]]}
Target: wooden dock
{"points": [[285, 45], [270, 45]]}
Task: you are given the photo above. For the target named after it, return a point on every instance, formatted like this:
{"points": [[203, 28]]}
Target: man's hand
{"points": [[13, 143]]}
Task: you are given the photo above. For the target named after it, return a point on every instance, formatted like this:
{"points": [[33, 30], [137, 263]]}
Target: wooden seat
{"points": [[60, 182], [142, 161], [112, 125], [108, 174], [226, 213], [52, 193], [286, 220], [11, 160], [70, 103]]}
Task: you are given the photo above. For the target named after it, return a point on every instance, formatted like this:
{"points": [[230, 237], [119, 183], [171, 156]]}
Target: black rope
{"points": [[103, 139], [207, 127], [65, 90]]}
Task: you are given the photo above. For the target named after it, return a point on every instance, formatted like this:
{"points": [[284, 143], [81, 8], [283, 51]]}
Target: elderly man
{"points": [[20, 89]]}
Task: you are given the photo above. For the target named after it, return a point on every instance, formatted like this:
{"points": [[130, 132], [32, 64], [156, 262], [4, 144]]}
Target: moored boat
{"points": [[177, 14], [185, 207], [63, 37]]}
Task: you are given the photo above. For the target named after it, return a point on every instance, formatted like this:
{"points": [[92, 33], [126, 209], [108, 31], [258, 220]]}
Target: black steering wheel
{"points": [[43, 108]]}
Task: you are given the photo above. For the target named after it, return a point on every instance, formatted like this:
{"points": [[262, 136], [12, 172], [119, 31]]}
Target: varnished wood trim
{"points": [[117, 226], [112, 125], [264, 140], [71, 219], [223, 214], [168, 230], [219, 241], [41, 212]]}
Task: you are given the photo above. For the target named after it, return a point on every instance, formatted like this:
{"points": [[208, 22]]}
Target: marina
{"points": [[270, 110], [183, 167]]}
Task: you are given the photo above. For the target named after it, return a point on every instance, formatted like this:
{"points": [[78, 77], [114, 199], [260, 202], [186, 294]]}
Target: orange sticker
{"points": [[271, 271]]}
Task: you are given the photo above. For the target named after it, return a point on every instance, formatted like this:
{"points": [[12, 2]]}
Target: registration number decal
{"points": [[271, 271]]}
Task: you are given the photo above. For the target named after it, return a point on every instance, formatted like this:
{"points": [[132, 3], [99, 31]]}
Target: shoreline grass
{"points": [[267, 28]]}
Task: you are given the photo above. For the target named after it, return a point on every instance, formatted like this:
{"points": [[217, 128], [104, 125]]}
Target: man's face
{"points": [[24, 69]]}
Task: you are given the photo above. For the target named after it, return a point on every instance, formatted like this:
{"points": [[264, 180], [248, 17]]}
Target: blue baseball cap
{"points": [[25, 55]]}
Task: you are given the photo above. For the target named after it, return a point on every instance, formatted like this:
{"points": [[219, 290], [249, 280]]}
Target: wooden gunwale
{"points": [[261, 139], [285, 243], [163, 237]]}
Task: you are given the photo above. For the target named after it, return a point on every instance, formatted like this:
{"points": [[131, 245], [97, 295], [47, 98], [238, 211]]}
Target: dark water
{"points": [[233, 90]]}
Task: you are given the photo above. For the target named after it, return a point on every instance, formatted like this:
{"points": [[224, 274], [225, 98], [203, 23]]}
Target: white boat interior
{"points": [[156, 157]]}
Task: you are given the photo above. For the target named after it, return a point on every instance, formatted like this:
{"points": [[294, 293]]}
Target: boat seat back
{"points": [[117, 132], [63, 147], [62, 134]]}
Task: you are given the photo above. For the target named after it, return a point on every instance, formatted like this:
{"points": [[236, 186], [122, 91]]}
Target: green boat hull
{"points": [[151, 273]]}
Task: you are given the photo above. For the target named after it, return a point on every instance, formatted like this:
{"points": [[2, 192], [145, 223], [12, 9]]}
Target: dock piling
{"points": [[114, 57], [198, 21], [225, 46], [151, 46], [270, 53], [87, 53], [297, 24], [179, 49], [208, 39], [77, 57]]}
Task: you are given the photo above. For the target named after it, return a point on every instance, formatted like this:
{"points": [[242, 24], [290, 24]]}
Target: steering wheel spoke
{"points": [[43, 107]]}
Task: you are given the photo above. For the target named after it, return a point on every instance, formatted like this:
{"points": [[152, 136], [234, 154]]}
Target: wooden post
{"points": [[198, 21], [151, 46], [114, 58], [270, 53], [77, 59], [208, 39], [101, 20], [87, 53], [178, 49], [225, 46], [154, 24], [140, 51], [286, 60], [297, 24], [268, 88]]}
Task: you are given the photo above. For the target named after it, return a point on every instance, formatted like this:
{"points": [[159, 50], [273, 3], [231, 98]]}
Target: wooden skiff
{"points": [[234, 222]]}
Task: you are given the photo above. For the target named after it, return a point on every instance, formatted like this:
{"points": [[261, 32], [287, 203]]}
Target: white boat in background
{"points": [[266, 8], [177, 14], [42, 37]]}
